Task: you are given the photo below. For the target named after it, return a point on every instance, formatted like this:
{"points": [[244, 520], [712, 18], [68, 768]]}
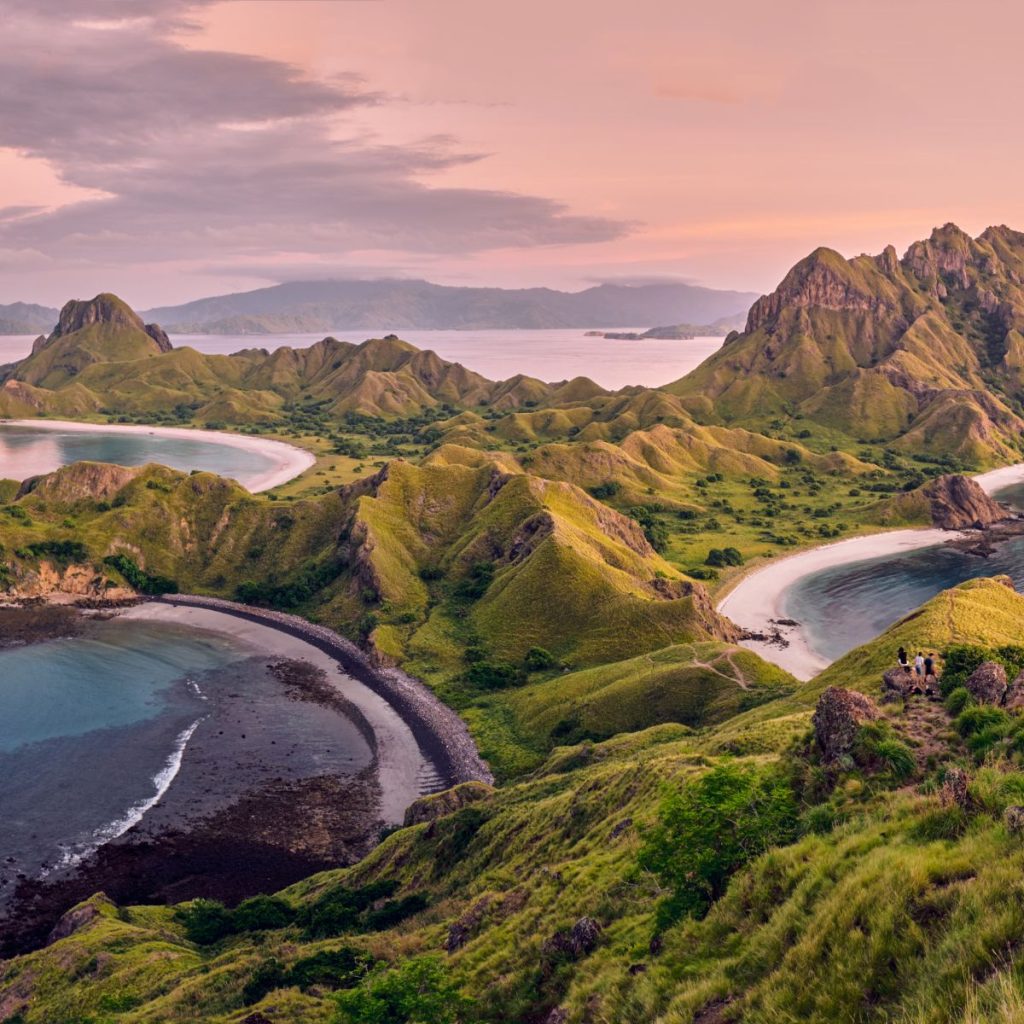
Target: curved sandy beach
{"points": [[757, 599], [421, 744], [287, 461]]}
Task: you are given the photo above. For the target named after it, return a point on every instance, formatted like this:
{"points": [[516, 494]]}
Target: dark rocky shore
{"points": [[440, 732]]}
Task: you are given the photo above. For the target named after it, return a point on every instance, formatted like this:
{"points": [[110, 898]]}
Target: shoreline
{"points": [[440, 733], [288, 459], [755, 602]]}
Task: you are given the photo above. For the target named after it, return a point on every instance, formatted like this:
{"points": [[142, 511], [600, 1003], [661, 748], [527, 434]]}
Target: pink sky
{"points": [[473, 143]]}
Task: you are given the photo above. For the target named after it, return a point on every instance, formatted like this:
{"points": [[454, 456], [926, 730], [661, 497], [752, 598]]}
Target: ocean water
{"points": [[550, 355], [26, 452], [845, 606], [95, 729]]}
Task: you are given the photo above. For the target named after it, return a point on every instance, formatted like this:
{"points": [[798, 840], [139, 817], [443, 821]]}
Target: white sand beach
{"points": [[287, 461], [757, 598], [401, 763]]}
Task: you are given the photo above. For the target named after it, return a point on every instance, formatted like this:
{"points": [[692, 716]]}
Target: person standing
{"points": [[901, 657], [930, 678], [919, 664]]}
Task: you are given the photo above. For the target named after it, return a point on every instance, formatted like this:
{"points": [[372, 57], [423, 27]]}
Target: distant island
{"points": [[675, 332]]}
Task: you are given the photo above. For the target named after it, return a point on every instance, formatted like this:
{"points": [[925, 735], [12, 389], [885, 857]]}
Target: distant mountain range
{"points": [[27, 318], [398, 304]]}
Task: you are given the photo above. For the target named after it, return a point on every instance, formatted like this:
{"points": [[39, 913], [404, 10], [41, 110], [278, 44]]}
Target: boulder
{"points": [[958, 503], [987, 683], [576, 943], [1014, 819], [897, 683], [1013, 699], [74, 920], [838, 717], [461, 931]]}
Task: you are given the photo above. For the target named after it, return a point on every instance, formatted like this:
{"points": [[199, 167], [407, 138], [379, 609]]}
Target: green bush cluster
{"points": [[720, 557], [144, 582], [340, 968], [710, 829]]}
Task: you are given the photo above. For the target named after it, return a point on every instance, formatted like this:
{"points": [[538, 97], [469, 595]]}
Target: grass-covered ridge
{"points": [[878, 901]]}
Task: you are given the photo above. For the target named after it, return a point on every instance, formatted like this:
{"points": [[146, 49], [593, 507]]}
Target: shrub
{"points": [[395, 911], [710, 829], [340, 910], [720, 557], [958, 700], [205, 921], [493, 675], [475, 585], [144, 582], [606, 490], [537, 659], [416, 992], [259, 913]]}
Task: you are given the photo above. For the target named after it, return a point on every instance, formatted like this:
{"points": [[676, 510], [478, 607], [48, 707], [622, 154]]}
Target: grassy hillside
{"points": [[880, 903], [920, 352]]}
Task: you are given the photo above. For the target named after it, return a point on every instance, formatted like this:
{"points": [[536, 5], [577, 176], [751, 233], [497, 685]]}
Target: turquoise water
{"points": [[145, 724], [117, 676], [26, 452]]}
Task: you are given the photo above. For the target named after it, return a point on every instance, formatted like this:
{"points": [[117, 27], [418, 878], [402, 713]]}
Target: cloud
{"points": [[214, 157]]}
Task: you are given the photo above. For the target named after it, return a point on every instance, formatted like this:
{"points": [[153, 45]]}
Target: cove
{"points": [[29, 448]]}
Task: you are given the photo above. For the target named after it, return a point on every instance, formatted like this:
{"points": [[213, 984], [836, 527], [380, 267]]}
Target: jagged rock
{"points": [[575, 943], [620, 827], [837, 718], [159, 335], [1014, 819], [104, 309], [448, 801], [954, 789], [80, 480], [557, 1016], [987, 683], [72, 921], [897, 683], [958, 503]]}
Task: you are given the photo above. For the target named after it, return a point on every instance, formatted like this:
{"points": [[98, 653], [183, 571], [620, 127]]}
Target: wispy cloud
{"points": [[211, 157]]}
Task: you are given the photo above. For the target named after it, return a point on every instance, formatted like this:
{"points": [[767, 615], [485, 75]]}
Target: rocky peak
{"points": [[958, 503], [823, 279], [104, 309]]}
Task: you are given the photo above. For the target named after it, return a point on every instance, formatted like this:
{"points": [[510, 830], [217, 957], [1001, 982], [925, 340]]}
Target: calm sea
{"points": [[26, 452], [549, 355], [94, 730], [848, 605]]}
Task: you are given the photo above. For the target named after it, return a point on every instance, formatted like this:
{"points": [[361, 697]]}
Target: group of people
{"points": [[924, 670]]}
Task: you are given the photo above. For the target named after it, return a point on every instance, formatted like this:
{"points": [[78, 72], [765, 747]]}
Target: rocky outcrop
{"points": [[96, 480], [958, 503], [574, 943], [987, 683], [448, 801], [837, 719], [1013, 699], [897, 684], [159, 335], [104, 309], [74, 584], [75, 919], [1013, 818], [819, 280]]}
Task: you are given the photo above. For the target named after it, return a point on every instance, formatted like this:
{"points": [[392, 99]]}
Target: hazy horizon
{"points": [[191, 149]]}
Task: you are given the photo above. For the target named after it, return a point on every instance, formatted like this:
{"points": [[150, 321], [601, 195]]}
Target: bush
{"points": [[720, 557], [958, 700], [493, 675], [475, 585], [395, 911], [416, 992], [876, 748], [260, 913], [205, 921], [341, 910], [144, 582], [537, 659], [710, 829], [606, 490]]}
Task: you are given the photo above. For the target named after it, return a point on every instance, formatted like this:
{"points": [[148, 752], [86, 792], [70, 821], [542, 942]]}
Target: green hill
{"points": [[920, 352], [543, 898]]}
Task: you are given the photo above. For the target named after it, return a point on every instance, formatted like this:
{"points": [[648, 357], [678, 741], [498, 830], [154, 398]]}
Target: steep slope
{"points": [[921, 351], [538, 902]]}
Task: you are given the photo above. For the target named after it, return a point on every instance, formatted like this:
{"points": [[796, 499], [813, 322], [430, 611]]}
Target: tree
{"points": [[710, 829], [416, 992]]}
